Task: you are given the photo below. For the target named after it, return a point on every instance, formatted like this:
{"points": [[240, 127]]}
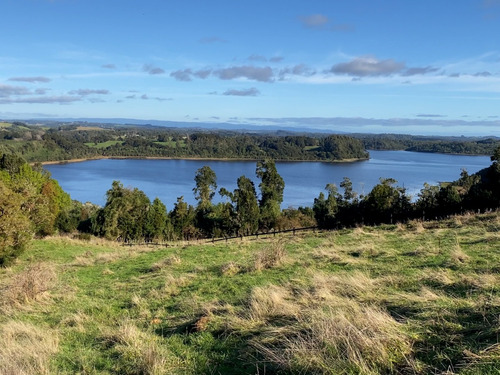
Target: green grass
{"points": [[416, 298], [5, 124], [103, 144]]}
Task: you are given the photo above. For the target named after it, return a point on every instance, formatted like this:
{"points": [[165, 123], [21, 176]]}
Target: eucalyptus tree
{"points": [[206, 186], [271, 187]]}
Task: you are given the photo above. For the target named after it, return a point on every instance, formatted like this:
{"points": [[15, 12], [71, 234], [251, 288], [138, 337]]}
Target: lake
{"points": [[169, 179]]}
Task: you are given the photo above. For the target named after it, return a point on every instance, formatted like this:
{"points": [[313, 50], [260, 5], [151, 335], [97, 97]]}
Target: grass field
{"points": [[5, 124], [422, 298]]}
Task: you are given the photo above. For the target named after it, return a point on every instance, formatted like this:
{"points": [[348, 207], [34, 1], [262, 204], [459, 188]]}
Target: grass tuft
{"points": [[26, 349], [272, 256], [30, 284]]}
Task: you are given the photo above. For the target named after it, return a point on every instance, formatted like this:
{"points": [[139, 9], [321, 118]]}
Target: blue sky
{"points": [[420, 67]]}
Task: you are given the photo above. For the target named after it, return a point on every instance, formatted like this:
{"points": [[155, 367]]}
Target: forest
{"points": [[33, 204], [40, 144], [60, 142]]}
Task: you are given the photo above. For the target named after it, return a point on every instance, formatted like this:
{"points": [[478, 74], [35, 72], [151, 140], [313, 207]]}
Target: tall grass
{"points": [[26, 349]]}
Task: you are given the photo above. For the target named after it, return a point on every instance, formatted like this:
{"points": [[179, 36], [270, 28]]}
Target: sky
{"points": [[377, 66]]}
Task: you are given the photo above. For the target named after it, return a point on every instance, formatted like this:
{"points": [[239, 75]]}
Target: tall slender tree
{"points": [[247, 207], [271, 187]]}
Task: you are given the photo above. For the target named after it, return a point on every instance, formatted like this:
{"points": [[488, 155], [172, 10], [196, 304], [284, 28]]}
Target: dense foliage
{"points": [[31, 203], [70, 142], [445, 145]]}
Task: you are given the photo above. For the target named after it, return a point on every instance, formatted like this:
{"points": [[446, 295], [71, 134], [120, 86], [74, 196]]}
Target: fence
{"points": [[213, 240]]}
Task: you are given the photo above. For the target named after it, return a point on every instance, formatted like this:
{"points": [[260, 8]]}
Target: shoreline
{"points": [[80, 160]]}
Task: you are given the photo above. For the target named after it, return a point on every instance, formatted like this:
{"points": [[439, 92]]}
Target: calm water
{"points": [[169, 179]]}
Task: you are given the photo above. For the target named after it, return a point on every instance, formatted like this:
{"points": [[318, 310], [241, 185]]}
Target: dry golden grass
{"points": [[76, 321], [26, 349], [33, 283], [348, 284], [330, 254], [230, 269], [437, 277], [327, 330], [141, 351], [272, 256], [327, 335], [457, 256], [270, 302], [172, 259]]}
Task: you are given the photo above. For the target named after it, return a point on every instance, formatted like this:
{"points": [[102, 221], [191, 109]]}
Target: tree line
{"points": [[389, 203], [33, 204], [70, 142], [444, 145]]}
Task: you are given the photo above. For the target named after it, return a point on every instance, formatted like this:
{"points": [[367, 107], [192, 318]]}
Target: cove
{"points": [[168, 179]]}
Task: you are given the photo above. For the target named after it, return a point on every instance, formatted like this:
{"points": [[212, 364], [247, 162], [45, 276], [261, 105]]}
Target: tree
{"points": [[386, 202], [157, 221], [271, 188], [124, 215], [15, 227], [182, 217], [428, 202], [247, 207], [349, 194], [206, 185], [325, 210]]}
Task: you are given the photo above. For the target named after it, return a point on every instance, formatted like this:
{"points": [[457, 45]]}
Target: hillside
{"points": [[416, 298]]}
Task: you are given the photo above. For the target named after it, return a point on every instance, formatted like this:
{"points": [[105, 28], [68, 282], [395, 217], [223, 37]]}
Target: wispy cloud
{"points": [[108, 66], [85, 92], [368, 66], [182, 75], [8, 90], [430, 115], [42, 100], [483, 74], [147, 97], [30, 79], [244, 92], [322, 22], [418, 71], [250, 72], [151, 69], [261, 74], [256, 57], [297, 70], [212, 39], [314, 20]]}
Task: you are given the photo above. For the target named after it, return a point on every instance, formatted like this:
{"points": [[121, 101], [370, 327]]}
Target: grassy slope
{"points": [[392, 299]]}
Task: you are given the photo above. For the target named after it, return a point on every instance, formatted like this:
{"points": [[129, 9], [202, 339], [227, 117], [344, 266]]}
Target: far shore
{"points": [[189, 158]]}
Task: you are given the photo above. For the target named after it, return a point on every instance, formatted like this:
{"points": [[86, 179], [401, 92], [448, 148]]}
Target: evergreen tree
{"points": [[247, 207], [157, 221], [15, 227], [206, 185], [271, 189]]}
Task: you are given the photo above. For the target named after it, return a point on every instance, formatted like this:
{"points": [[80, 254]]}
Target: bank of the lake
{"points": [[171, 178], [53, 162]]}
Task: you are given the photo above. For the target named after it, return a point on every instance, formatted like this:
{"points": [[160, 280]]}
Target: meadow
{"points": [[416, 298]]}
